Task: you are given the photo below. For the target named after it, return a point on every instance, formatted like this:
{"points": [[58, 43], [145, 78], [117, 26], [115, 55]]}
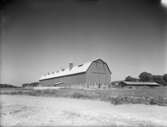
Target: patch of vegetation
{"points": [[8, 86], [138, 100], [79, 95], [156, 96], [32, 84]]}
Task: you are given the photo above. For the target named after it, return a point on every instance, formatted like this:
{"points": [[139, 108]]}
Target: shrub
{"points": [[137, 100], [129, 78], [78, 95]]}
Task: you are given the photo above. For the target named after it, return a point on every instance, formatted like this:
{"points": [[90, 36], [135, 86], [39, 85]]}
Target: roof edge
{"points": [[102, 61], [62, 76]]}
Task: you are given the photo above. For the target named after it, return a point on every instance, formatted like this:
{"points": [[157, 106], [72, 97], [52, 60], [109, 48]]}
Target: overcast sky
{"points": [[41, 36]]}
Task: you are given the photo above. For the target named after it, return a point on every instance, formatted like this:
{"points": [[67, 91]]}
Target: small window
{"points": [[80, 65]]}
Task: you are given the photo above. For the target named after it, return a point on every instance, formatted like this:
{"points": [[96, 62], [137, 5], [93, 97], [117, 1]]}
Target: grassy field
{"points": [[134, 107], [32, 111], [154, 96]]}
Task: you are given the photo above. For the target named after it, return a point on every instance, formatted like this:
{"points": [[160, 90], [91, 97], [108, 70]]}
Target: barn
{"points": [[93, 74]]}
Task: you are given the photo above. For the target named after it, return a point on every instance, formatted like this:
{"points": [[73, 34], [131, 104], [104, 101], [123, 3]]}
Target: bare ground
{"points": [[22, 110]]}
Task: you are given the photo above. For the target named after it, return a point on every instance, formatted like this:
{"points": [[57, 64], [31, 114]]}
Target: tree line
{"points": [[32, 84], [8, 86], [148, 77]]}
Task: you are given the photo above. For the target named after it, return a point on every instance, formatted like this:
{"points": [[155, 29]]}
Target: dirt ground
{"points": [[22, 110]]}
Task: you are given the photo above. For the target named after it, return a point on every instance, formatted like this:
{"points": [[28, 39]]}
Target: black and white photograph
{"points": [[83, 63]]}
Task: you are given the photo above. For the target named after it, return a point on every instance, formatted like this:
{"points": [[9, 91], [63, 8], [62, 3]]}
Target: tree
{"points": [[25, 84], [165, 77], [129, 78], [158, 79], [8, 86], [32, 84], [146, 77], [161, 79]]}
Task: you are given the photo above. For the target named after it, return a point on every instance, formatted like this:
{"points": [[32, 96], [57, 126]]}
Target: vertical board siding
{"points": [[67, 81], [98, 75]]}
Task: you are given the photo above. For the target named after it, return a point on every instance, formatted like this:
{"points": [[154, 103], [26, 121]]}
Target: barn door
{"points": [[99, 84]]}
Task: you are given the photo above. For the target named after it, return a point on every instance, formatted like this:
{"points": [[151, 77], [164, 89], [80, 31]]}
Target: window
{"points": [[80, 65]]}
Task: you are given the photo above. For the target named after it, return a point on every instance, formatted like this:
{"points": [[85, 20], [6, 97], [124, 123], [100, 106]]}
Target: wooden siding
{"points": [[98, 75], [78, 80]]}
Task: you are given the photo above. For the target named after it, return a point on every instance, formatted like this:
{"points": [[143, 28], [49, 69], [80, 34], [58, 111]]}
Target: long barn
{"points": [[93, 74]]}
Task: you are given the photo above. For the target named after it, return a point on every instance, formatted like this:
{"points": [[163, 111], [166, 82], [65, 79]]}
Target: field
{"points": [[144, 107], [154, 92], [157, 96], [23, 110]]}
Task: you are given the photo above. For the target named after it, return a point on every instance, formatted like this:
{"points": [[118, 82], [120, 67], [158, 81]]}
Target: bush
{"points": [[116, 100], [32, 84], [138, 100], [79, 95], [129, 78]]}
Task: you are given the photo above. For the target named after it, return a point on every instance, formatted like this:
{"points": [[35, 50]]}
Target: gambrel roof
{"points": [[75, 70]]}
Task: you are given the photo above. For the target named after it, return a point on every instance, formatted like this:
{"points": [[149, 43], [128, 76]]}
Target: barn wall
{"points": [[77, 80], [98, 75]]}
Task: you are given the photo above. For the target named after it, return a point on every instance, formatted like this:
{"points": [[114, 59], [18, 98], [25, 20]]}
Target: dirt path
{"points": [[49, 111]]}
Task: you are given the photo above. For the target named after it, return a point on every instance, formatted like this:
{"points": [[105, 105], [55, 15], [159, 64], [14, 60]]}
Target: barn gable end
{"points": [[98, 74]]}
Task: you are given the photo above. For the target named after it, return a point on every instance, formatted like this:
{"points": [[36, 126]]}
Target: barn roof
{"points": [[66, 72], [75, 70]]}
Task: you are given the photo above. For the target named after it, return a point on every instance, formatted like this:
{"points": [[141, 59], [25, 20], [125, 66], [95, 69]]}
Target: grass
{"points": [[149, 96]]}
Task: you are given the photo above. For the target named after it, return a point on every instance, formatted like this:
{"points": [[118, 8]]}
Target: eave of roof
{"points": [[62, 76]]}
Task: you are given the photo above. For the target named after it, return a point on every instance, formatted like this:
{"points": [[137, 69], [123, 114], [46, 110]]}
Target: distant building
{"points": [[138, 84], [94, 74]]}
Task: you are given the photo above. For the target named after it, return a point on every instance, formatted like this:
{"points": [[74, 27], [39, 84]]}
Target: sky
{"points": [[41, 36]]}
